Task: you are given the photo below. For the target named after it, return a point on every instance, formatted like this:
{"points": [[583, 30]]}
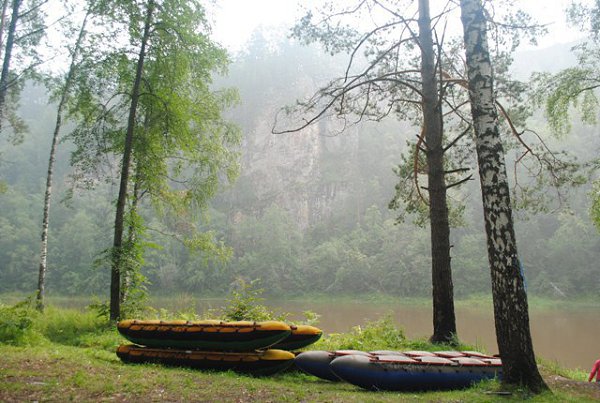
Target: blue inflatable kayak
{"points": [[395, 372], [410, 370]]}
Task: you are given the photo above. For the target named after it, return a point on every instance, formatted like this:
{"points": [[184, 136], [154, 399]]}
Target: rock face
{"points": [[290, 171]]}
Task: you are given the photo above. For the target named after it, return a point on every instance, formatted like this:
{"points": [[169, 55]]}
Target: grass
{"points": [[66, 355], [62, 373]]}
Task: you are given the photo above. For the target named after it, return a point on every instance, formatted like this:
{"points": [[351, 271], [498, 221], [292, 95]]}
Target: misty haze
{"points": [[335, 167]]}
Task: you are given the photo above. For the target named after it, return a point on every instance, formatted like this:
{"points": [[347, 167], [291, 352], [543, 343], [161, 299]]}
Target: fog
{"points": [[307, 206], [309, 212]]}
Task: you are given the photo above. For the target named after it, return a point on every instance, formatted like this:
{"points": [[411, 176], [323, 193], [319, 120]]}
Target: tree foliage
{"points": [[573, 90], [343, 245], [22, 27], [173, 137]]}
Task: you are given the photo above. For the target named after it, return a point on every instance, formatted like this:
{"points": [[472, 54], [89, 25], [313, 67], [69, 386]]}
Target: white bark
{"points": [[55, 136], [510, 300]]}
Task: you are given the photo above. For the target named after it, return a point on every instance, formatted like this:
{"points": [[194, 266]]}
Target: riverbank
{"points": [[68, 355], [554, 324], [66, 373]]}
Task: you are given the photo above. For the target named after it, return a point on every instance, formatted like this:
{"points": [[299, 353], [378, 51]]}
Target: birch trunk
{"points": [[3, 24], [115, 277], [10, 41], [510, 300], [58, 124], [126, 276], [444, 322]]}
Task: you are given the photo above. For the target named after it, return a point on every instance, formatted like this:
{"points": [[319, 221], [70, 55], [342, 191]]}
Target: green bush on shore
{"points": [[22, 325], [17, 324]]}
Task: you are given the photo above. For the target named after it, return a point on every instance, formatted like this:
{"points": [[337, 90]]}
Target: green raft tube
{"points": [[256, 363], [204, 335]]}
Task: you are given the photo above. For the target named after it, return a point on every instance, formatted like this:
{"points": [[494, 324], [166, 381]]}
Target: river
{"points": [[568, 336]]}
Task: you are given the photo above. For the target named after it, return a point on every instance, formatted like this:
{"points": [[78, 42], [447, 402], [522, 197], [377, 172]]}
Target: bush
{"points": [[381, 334], [17, 324], [22, 325], [245, 303]]}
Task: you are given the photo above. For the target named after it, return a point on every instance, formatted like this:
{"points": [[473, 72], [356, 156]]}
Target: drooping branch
{"points": [[420, 141], [402, 19], [338, 93], [344, 12], [32, 10], [457, 170], [464, 84], [361, 42], [552, 164]]}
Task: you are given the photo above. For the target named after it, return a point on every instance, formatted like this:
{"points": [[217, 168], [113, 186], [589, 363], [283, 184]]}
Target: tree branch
{"points": [[460, 182], [421, 140], [453, 142]]}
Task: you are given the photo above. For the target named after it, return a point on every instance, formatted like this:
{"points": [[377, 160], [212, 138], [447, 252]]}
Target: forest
{"points": [[306, 205]]}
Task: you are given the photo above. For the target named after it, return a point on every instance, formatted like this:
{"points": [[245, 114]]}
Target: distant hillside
{"points": [[550, 59]]}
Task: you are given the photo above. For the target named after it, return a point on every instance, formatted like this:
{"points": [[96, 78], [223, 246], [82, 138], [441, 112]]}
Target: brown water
{"points": [[569, 337]]}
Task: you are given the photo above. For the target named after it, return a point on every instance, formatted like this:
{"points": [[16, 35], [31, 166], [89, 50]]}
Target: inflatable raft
{"points": [[205, 335], [317, 362], [255, 363], [411, 370], [300, 336]]}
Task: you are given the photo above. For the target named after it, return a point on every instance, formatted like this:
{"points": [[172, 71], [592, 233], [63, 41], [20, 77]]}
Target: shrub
{"points": [[17, 324], [381, 334], [245, 303]]}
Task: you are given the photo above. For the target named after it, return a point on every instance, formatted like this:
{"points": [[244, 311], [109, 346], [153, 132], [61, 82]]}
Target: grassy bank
{"points": [[67, 373], [69, 355]]}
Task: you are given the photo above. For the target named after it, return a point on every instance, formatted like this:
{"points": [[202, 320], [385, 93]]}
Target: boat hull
{"points": [[260, 363], [394, 374], [317, 363], [300, 337], [205, 335]]}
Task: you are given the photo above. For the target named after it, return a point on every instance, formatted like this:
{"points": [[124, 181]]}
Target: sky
{"points": [[235, 20]]}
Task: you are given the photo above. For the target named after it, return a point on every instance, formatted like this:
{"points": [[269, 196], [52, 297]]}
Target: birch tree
{"points": [[173, 138], [64, 93], [510, 300]]}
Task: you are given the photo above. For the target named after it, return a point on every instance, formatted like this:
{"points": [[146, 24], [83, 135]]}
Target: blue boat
{"points": [[317, 362], [404, 372]]}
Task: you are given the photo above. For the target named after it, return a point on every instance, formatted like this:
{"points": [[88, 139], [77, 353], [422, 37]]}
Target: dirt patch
{"points": [[583, 389]]}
